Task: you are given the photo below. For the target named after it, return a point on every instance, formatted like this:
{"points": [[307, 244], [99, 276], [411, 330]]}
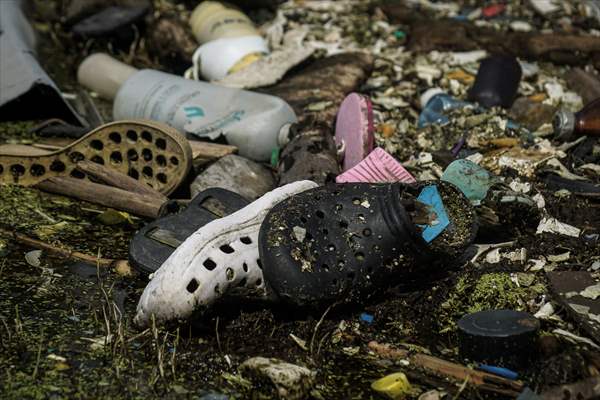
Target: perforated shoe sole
{"points": [[218, 259], [151, 152]]}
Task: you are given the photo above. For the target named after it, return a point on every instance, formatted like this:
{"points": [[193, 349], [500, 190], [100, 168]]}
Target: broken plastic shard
{"points": [[466, 57], [591, 292], [394, 386], [33, 258], [545, 6], [435, 106], [579, 292], [430, 196], [268, 70], [545, 311], [378, 166], [473, 180], [552, 225]]}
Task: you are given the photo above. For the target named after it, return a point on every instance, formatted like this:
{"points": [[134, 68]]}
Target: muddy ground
{"points": [[66, 327]]}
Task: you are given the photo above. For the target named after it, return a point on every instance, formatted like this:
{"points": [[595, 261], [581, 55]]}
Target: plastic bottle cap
{"points": [[563, 124], [103, 74], [428, 95], [504, 338], [216, 58], [284, 136]]}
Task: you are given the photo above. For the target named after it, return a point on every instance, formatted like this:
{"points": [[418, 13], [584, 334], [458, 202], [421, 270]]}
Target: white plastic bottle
{"points": [[229, 41], [256, 123]]}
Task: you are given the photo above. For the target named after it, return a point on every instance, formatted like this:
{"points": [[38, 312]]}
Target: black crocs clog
{"points": [[154, 243], [346, 241]]}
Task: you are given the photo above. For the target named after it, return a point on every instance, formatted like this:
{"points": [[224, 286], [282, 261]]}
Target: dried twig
{"points": [[65, 253], [482, 380]]}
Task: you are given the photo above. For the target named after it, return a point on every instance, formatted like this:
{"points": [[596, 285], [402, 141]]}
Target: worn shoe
{"points": [[345, 241], [148, 151], [218, 259], [156, 241]]}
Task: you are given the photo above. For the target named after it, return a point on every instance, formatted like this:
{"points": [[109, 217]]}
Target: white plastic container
{"points": [[229, 41], [251, 121]]}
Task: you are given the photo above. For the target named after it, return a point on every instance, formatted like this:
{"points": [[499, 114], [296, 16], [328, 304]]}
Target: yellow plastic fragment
{"points": [[460, 75], [538, 97], [395, 386], [387, 130]]}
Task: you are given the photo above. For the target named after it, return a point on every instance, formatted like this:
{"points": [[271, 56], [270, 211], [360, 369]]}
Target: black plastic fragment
{"points": [[497, 82], [110, 21]]}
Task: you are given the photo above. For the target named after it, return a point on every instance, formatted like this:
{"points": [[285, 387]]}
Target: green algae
{"points": [[494, 290]]}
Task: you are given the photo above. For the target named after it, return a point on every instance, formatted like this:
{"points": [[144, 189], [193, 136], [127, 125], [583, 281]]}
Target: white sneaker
{"points": [[219, 258]]}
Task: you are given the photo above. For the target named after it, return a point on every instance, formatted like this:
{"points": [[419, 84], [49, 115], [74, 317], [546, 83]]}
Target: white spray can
{"points": [[229, 40]]}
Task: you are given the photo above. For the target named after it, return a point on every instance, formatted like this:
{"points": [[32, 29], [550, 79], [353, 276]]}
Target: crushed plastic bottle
{"points": [[435, 103], [256, 123], [569, 125], [229, 41]]}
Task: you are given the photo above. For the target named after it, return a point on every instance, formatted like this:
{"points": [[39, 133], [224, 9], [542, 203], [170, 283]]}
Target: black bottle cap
{"points": [[504, 338]]}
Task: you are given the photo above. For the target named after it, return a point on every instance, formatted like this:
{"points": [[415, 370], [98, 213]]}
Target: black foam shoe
{"points": [[346, 241], [156, 241]]}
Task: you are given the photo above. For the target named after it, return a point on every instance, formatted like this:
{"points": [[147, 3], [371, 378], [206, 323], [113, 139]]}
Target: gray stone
{"points": [[291, 382], [237, 174]]}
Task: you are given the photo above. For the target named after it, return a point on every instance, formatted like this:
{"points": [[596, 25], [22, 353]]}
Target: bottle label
{"points": [[205, 113]]}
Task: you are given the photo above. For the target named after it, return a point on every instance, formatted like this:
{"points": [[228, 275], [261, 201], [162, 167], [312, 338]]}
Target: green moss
{"points": [[489, 291]]}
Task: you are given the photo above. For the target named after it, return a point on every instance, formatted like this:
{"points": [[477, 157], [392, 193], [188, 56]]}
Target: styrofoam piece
{"points": [[218, 259]]}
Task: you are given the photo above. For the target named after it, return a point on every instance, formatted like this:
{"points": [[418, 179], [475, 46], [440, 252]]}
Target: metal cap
{"points": [[564, 124]]}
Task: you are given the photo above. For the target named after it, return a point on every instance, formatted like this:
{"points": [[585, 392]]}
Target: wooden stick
{"points": [[204, 152], [482, 380], [75, 255], [135, 203], [118, 180]]}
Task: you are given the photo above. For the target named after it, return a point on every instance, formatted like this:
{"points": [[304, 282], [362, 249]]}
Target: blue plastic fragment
{"points": [[473, 180], [503, 372], [368, 318], [431, 197], [436, 107]]}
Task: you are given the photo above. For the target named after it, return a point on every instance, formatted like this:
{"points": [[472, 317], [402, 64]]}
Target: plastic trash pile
{"points": [[300, 199]]}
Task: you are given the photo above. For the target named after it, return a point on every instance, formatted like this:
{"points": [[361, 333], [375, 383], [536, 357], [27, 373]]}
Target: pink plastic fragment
{"points": [[378, 166], [493, 10], [354, 129]]}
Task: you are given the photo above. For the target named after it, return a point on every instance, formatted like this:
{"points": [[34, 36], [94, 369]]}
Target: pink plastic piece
{"points": [[354, 130], [379, 166]]}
